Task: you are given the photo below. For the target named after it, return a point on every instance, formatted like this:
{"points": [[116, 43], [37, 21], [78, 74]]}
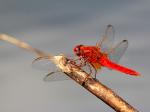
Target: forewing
{"points": [[105, 44], [117, 52], [44, 63]]}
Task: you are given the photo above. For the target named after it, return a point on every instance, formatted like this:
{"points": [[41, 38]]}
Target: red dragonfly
{"points": [[103, 54]]}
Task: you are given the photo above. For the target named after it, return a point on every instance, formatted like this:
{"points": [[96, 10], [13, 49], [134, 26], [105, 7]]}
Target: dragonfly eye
{"points": [[77, 50]]}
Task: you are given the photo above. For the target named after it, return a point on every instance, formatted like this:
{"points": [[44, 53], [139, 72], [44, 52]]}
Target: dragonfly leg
{"points": [[95, 71], [82, 62], [72, 61], [95, 74], [90, 73], [88, 67]]}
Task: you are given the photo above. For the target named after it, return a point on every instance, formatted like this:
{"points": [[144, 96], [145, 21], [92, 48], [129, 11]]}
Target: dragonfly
{"points": [[103, 54]]}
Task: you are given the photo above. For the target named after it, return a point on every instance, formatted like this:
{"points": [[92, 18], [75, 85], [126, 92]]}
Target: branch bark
{"points": [[81, 77]]}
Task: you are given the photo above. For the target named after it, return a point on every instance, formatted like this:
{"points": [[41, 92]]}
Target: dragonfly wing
{"points": [[105, 44], [56, 76], [117, 52], [44, 63]]}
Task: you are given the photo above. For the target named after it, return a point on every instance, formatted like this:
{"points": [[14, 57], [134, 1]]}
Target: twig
{"points": [[21, 44], [81, 77]]}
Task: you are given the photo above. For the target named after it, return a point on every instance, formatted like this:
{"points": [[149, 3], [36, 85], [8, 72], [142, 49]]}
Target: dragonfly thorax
{"points": [[89, 53]]}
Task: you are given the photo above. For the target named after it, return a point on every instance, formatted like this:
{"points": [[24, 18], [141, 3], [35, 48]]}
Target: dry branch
{"points": [[21, 44], [81, 77]]}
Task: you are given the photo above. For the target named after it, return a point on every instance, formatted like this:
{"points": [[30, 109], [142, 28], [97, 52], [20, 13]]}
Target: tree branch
{"points": [[94, 86], [81, 77]]}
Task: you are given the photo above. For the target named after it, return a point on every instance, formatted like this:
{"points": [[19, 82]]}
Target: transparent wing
{"points": [[105, 44], [117, 52], [56, 76], [44, 63]]}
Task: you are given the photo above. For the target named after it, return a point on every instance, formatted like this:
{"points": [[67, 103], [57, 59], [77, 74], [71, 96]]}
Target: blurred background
{"points": [[56, 26]]}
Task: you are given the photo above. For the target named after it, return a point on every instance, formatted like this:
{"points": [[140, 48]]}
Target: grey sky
{"points": [[56, 26]]}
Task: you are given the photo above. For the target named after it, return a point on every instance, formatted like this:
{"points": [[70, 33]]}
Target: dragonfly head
{"points": [[77, 50]]}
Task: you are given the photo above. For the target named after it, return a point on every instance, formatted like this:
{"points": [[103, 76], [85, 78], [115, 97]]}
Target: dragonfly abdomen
{"points": [[107, 63]]}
